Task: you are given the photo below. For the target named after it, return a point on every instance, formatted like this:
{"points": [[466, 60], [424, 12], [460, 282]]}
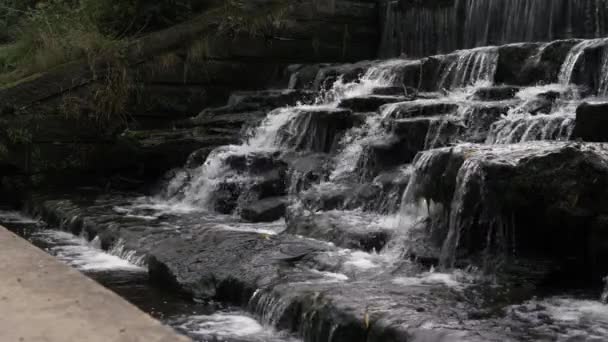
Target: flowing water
{"points": [[387, 233], [203, 322], [425, 29]]}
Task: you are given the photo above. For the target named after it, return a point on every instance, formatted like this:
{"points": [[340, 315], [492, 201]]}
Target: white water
{"points": [[565, 318], [82, 255], [520, 125], [567, 70], [196, 191], [471, 67], [229, 326]]}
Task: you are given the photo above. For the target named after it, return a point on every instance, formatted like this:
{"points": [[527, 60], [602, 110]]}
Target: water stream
{"points": [[380, 222]]}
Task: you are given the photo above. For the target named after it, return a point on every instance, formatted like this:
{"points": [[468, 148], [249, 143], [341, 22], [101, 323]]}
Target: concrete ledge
{"points": [[43, 300]]}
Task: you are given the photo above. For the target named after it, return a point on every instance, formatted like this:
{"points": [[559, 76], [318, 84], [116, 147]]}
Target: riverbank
{"points": [[45, 300]]}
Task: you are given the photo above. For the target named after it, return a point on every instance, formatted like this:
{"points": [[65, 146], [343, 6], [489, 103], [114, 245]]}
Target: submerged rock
{"points": [[265, 210], [349, 229]]}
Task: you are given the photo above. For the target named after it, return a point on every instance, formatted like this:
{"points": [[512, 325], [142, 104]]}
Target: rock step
{"points": [[271, 98], [348, 229], [512, 180], [369, 103]]}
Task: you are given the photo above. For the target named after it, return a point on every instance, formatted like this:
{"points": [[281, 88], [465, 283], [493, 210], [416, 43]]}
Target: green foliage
{"points": [[51, 33]]}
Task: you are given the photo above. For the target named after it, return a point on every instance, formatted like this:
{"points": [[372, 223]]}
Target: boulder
{"points": [[591, 122], [515, 217], [265, 210]]}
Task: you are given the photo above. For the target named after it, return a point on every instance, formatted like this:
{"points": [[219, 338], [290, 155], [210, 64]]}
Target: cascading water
{"points": [[427, 28], [469, 68], [376, 194], [290, 128]]}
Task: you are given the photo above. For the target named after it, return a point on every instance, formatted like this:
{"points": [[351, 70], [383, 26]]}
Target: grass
{"points": [[51, 34], [55, 32]]}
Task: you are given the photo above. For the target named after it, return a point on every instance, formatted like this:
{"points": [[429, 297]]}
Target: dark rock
{"points": [[307, 169], [327, 76], [420, 108], [369, 103], [266, 210], [513, 183], [255, 162], [329, 196], [591, 122], [271, 98], [316, 130], [498, 93], [511, 62], [198, 157], [544, 65], [391, 91], [303, 76], [360, 231]]}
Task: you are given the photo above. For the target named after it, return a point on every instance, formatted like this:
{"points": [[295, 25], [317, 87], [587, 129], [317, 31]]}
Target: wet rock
{"points": [[235, 121], [511, 61], [255, 162], [265, 210], [473, 124], [591, 122], [497, 93], [513, 180], [271, 98], [392, 184], [329, 196], [420, 108], [198, 157], [303, 76], [347, 73], [160, 150], [408, 138], [344, 228], [317, 130], [307, 169], [369, 103], [390, 91]]}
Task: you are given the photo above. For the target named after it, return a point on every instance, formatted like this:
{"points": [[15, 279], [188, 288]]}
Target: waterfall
{"points": [[283, 129], [421, 29], [572, 59]]}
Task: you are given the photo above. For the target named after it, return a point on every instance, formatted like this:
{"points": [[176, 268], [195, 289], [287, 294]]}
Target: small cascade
{"points": [[522, 128], [567, 70], [323, 206], [302, 128], [120, 250], [469, 68], [544, 113]]}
